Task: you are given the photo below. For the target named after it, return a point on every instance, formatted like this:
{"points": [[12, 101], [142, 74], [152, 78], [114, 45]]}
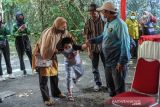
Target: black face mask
{"points": [[60, 31], [20, 19], [20, 22]]}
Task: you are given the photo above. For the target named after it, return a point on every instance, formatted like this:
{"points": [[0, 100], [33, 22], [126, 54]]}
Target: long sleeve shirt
{"points": [[19, 33], [115, 42], [73, 56], [92, 29], [3, 33]]}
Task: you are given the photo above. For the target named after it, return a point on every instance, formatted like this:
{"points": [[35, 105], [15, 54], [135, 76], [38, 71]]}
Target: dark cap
{"points": [[92, 7]]}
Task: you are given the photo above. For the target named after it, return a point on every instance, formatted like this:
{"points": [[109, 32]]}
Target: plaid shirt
{"points": [[92, 29]]}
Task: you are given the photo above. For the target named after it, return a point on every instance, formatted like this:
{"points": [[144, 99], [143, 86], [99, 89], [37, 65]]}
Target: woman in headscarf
{"points": [[146, 22], [133, 29], [47, 47]]}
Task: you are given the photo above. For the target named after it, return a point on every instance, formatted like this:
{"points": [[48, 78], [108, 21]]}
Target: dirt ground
{"points": [[27, 93]]}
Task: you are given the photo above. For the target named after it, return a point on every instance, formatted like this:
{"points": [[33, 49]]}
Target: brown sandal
{"points": [[49, 103]]}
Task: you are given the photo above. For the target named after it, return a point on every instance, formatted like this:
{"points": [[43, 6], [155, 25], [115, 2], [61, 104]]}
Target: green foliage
{"points": [[40, 14]]}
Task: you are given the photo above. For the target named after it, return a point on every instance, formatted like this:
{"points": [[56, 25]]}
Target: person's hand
{"points": [[84, 46], [22, 28], [119, 67]]}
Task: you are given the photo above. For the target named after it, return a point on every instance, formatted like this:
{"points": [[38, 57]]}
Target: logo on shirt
{"points": [[110, 30]]}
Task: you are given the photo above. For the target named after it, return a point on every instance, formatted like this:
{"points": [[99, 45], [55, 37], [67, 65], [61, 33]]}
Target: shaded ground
{"points": [[27, 93]]}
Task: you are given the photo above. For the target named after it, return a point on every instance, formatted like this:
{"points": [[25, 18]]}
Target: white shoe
{"points": [[11, 76], [96, 88], [2, 78]]}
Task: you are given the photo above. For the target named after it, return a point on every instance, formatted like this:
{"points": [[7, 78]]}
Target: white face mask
{"points": [[69, 50], [103, 18], [145, 16], [133, 17]]}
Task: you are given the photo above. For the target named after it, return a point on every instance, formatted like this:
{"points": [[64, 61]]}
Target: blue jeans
{"points": [[78, 71]]}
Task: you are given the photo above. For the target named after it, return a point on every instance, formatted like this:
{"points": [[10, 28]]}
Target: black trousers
{"points": [[95, 63], [134, 51], [6, 53], [23, 45], [55, 91], [115, 79]]}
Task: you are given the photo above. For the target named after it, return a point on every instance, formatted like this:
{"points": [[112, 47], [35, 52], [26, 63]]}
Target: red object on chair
{"points": [[144, 87]]}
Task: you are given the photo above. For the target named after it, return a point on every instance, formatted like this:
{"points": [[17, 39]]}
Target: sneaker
{"points": [[2, 78], [97, 88], [11, 76], [49, 103]]}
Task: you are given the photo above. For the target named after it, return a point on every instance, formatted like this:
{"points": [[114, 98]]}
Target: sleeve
{"points": [[96, 40], [15, 30], [99, 39], [77, 47], [27, 30], [7, 32], [123, 35]]}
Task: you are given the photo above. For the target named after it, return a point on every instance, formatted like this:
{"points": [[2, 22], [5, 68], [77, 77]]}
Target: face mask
{"points": [[133, 17], [60, 31], [68, 50], [20, 19], [103, 18], [145, 16]]}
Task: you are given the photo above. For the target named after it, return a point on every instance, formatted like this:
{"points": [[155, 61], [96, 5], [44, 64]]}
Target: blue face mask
{"points": [[103, 18]]}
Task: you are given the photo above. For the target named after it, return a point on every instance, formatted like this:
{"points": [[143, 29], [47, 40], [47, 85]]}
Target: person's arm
{"points": [[123, 35], [15, 31], [96, 40], [77, 47], [7, 32], [99, 39], [27, 30]]}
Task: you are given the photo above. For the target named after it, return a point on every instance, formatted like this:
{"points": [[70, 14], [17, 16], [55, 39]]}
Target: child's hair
{"points": [[66, 40]]}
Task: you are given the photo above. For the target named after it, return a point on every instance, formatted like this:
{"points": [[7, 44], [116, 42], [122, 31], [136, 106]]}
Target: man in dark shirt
{"points": [[93, 27]]}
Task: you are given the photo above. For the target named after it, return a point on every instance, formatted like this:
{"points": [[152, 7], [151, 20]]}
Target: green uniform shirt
{"points": [[19, 33], [3, 33]]}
